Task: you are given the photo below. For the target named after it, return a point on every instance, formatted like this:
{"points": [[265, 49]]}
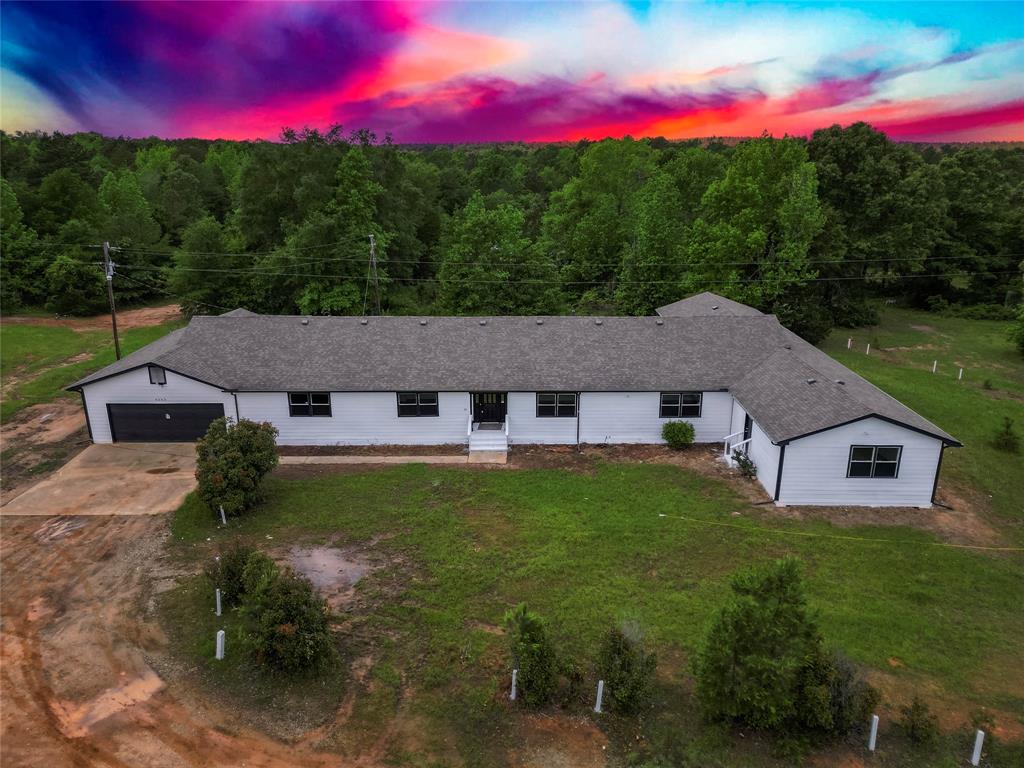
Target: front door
{"points": [[489, 406]]}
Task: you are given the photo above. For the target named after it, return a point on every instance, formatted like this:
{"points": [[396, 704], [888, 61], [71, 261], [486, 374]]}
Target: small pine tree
{"points": [[533, 655], [1007, 439], [627, 668], [749, 667]]}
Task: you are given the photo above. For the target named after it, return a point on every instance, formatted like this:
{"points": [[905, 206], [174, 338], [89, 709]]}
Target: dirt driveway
{"points": [[119, 479]]}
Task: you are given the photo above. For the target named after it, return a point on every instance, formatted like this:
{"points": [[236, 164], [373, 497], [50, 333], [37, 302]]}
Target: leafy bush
{"points": [[1017, 330], [74, 287], [226, 569], [749, 666], [231, 460], [533, 655], [1007, 439], [290, 630], [678, 434], [744, 464], [627, 668], [918, 723]]}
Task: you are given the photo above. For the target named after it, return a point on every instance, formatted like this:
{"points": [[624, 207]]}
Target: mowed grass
{"points": [[587, 550], [904, 345], [38, 356]]}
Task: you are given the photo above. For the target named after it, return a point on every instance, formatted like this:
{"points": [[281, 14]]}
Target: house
{"points": [[817, 432]]}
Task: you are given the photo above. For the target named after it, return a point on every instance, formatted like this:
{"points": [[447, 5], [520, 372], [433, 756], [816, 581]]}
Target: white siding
{"points": [[525, 427], [134, 387], [760, 450], [814, 470], [360, 418], [633, 417]]}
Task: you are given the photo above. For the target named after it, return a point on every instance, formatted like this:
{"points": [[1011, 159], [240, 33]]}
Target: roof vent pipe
{"points": [[714, 306], [840, 381], [812, 381], [305, 321], [363, 321], [659, 322], [540, 321], [598, 322], [423, 322], [483, 322]]}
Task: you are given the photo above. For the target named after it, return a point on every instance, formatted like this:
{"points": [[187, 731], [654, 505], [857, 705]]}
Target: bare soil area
{"points": [[37, 441], [77, 640], [370, 450], [128, 318]]}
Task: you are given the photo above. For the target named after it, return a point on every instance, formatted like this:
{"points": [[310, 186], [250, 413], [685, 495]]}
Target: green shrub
{"points": [[231, 460], [678, 434], [749, 666], [533, 655], [918, 723], [852, 699], [1006, 439], [744, 464], [258, 575], [1017, 330], [626, 668], [290, 629], [226, 569]]}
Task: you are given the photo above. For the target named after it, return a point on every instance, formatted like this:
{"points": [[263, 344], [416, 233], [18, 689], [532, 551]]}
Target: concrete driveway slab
{"points": [[118, 479]]}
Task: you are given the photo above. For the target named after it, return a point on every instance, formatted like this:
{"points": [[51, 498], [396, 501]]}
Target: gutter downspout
{"points": [[938, 466], [778, 477], [238, 416], [579, 410]]}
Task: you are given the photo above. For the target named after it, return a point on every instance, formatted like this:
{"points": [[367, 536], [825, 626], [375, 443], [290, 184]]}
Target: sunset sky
{"points": [[496, 71]]}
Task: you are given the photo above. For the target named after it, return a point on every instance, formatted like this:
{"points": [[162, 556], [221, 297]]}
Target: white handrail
{"points": [[506, 426], [469, 426], [727, 438]]}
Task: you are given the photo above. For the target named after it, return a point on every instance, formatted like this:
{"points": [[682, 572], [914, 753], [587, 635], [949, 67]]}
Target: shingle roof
{"points": [[745, 354], [706, 304]]}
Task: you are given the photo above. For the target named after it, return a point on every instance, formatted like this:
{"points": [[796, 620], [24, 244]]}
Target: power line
{"points": [[521, 281], [172, 295]]}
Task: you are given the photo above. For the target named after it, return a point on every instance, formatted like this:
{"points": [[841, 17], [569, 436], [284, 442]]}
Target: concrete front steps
{"points": [[488, 445]]}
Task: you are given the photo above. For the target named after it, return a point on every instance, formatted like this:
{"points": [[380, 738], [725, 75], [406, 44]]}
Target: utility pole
{"points": [[108, 267], [373, 268]]}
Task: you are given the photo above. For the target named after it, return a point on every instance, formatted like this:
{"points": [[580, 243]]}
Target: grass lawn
{"points": [[903, 347], [587, 549], [45, 359]]}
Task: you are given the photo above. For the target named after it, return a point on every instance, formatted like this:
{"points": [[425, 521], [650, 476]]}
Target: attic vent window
{"points": [[157, 375]]}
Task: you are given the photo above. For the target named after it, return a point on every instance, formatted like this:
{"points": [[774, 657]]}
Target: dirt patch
{"points": [[127, 318], [370, 450], [559, 741], [923, 328], [37, 441], [958, 526], [333, 571], [78, 637]]}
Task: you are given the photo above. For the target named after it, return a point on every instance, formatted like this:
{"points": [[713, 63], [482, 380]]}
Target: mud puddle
{"points": [[334, 571]]}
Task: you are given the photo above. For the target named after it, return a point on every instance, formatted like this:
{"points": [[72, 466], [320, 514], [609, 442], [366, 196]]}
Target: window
{"points": [[309, 403], [417, 404], [157, 375], [874, 460], [561, 404], [678, 405]]}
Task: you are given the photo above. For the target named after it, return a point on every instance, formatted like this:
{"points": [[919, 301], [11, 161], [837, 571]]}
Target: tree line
{"points": [[814, 230]]}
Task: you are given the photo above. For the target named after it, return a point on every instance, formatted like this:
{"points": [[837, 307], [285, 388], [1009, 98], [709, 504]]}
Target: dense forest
{"points": [[816, 231]]}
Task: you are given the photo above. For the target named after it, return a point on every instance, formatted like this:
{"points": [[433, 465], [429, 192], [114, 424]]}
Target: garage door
{"points": [[161, 423]]}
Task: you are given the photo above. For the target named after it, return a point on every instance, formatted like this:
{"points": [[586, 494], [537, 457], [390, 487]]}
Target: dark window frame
{"points": [[557, 405], [422, 409], [680, 405], [154, 369], [874, 462], [309, 408]]}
